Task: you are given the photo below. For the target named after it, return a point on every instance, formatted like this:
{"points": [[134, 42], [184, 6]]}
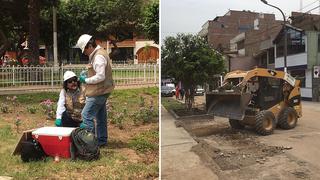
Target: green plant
{"points": [[144, 115], [17, 123], [144, 142], [4, 108], [48, 107], [142, 101], [32, 109], [119, 118]]}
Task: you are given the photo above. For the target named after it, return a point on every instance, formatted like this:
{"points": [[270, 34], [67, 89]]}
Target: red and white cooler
{"points": [[55, 141]]}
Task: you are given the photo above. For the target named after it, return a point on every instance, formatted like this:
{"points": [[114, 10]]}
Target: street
{"points": [[242, 154]]}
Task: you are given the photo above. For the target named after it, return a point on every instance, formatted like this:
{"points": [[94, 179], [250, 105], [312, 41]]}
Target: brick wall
{"points": [[305, 21], [224, 28], [242, 63], [255, 37]]}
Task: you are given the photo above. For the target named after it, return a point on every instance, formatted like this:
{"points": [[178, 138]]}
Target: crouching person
{"points": [[71, 102]]}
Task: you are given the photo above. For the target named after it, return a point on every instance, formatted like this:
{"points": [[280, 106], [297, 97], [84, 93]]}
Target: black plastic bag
{"points": [[31, 150]]}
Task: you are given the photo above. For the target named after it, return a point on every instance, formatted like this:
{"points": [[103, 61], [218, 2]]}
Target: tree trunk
{"points": [[4, 43], [189, 98], [34, 19]]}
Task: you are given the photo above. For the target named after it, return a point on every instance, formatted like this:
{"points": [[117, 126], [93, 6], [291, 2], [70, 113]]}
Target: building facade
{"points": [[219, 31]]}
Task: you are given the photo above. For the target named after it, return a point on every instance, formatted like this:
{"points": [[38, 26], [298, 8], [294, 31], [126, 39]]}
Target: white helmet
{"points": [[68, 74], [82, 41]]}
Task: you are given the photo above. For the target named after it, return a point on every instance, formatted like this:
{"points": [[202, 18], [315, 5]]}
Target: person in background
{"points": [[177, 92], [71, 102], [182, 93], [99, 84]]}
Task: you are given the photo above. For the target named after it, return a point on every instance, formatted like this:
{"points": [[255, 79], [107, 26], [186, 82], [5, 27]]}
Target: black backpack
{"points": [[31, 150], [85, 145]]}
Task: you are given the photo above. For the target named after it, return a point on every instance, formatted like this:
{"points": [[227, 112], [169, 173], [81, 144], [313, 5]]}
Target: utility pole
{"points": [[55, 43], [285, 35]]}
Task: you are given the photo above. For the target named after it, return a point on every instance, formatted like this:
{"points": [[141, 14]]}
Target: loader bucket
{"points": [[229, 105]]}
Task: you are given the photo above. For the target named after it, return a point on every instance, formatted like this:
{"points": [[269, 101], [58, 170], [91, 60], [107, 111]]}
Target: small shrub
{"points": [[119, 118], [4, 108], [142, 101], [144, 115], [32, 109], [18, 123], [48, 107]]}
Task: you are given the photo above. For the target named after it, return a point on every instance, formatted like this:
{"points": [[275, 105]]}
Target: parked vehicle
{"points": [[199, 91], [167, 91], [173, 87]]}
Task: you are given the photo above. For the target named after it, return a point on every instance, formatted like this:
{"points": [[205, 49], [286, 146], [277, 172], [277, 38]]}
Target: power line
{"points": [[309, 5], [313, 9]]}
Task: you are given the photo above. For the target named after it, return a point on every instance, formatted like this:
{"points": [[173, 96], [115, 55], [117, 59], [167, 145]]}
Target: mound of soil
{"points": [[230, 149], [192, 112]]}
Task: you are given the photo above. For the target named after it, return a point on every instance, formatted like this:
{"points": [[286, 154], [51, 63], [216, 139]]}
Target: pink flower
{"points": [[47, 102]]}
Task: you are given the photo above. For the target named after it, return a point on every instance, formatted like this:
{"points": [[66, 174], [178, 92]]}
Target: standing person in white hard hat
{"points": [[71, 102], [99, 84]]}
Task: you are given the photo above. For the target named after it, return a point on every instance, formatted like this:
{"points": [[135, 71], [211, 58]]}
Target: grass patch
{"points": [[28, 99], [5, 132], [145, 141], [130, 104], [170, 103]]}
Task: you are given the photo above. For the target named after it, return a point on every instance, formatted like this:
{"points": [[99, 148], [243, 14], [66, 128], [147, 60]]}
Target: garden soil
{"points": [[233, 154]]}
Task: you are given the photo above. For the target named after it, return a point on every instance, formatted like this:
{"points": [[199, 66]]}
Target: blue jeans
{"points": [[96, 108]]}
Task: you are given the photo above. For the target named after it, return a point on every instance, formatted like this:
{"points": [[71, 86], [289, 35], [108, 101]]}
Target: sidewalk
{"points": [[177, 161]]}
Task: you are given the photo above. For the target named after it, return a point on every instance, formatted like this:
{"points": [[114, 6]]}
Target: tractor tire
{"points": [[288, 118], [265, 123], [235, 124]]}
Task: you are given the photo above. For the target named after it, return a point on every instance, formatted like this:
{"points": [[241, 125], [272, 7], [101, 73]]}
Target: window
{"points": [[274, 82], [244, 28], [300, 75], [295, 42], [271, 56]]}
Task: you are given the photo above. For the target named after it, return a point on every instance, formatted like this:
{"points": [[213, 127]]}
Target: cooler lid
{"points": [[53, 131]]}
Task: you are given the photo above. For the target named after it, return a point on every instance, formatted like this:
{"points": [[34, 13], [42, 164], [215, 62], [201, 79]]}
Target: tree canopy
{"points": [[151, 21], [13, 25], [189, 59], [114, 20]]}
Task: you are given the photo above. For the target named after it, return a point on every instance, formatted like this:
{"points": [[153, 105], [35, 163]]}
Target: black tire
{"points": [[235, 124], [265, 123], [288, 118]]}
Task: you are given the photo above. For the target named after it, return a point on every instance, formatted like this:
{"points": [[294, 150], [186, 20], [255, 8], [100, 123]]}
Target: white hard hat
{"points": [[68, 74], [82, 41]]}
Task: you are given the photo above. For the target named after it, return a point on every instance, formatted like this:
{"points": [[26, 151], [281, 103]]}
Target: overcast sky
{"points": [[187, 16]]}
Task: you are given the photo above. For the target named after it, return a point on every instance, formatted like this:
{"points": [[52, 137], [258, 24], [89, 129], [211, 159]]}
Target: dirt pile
{"points": [[239, 154], [234, 150]]}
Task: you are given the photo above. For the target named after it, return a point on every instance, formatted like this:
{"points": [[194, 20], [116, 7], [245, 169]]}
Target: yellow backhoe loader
{"points": [[262, 98]]}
